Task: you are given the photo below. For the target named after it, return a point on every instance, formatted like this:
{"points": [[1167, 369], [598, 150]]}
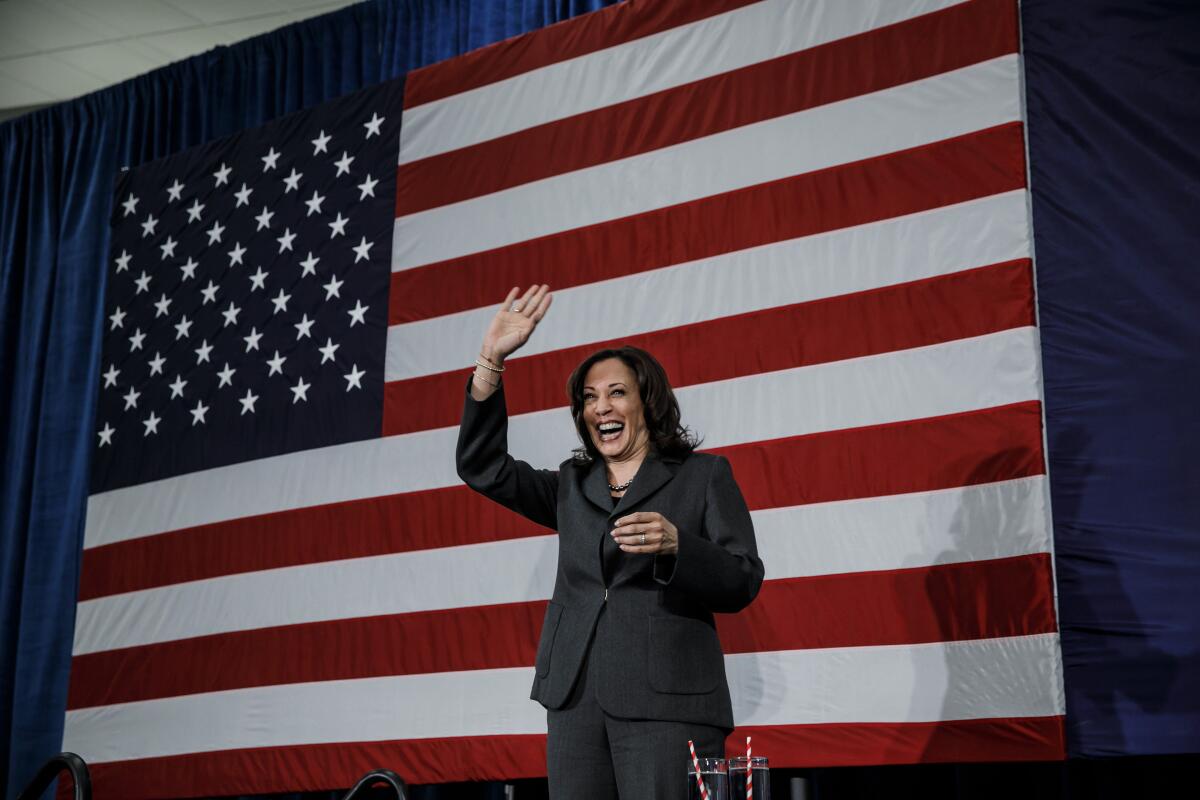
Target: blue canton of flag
{"points": [[247, 295]]}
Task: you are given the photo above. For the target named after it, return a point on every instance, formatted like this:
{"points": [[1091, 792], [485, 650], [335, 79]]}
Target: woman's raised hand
{"points": [[514, 322]]}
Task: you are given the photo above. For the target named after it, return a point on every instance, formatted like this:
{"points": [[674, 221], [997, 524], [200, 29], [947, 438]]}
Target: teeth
{"points": [[611, 426]]}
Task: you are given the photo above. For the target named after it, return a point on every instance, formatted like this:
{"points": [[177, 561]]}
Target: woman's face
{"points": [[613, 412]]}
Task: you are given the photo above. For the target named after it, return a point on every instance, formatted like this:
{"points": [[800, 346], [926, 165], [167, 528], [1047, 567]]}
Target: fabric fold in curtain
{"points": [[57, 168]]}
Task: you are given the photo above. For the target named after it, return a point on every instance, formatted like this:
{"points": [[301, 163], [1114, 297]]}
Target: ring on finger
{"points": [[515, 307], [643, 538]]}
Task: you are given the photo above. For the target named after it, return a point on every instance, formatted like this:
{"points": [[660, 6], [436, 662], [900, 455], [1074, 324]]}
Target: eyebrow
{"points": [[611, 385]]}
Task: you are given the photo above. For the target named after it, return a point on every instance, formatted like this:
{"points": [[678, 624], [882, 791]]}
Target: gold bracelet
{"points": [[495, 385], [497, 370]]}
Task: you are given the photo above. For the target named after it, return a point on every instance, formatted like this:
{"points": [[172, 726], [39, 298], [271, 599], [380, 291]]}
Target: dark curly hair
{"points": [[668, 437]]}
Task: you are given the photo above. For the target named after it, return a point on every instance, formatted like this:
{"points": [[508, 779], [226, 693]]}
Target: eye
{"points": [[588, 397], [618, 392]]}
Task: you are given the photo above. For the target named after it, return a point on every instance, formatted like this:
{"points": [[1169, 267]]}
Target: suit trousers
{"points": [[592, 755]]}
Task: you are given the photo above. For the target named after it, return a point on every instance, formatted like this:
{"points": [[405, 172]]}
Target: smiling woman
{"points": [[653, 538]]}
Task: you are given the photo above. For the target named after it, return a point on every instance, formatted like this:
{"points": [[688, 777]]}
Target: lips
{"points": [[608, 431]]}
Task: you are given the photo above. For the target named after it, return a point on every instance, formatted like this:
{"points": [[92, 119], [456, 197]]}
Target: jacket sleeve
{"points": [[485, 465], [720, 567]]}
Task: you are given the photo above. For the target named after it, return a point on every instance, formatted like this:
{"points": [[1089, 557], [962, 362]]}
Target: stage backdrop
{"points": [[815, 214]]}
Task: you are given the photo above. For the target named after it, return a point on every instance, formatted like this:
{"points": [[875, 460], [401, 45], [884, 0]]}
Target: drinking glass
{"points": [[737, 777], [715, 775]]}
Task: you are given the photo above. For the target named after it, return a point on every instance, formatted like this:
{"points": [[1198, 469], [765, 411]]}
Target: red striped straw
{"points": [[749, 772], [696, 764]]}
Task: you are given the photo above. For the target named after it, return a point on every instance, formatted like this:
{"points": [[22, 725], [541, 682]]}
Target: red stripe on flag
{"points": [[918, 455], [375, 526], [984, 300], [587, 33], [970, 33], [337, 766], [951, 171], [948, 602], [485, 637], [868, 744], [966, 449], [268, 770]]}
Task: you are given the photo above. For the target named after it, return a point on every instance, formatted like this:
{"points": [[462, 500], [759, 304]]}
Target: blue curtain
{"points": [[55, 202], [1113, 123]]}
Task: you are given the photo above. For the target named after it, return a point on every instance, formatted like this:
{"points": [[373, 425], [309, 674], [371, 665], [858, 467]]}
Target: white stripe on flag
{"points": [[899, 683], [651, 64], [896, 532], [963, 375], [922, 245], [972, 98]]}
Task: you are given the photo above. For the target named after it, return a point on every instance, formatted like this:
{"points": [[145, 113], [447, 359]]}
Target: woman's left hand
{"points": [[646, 532]]}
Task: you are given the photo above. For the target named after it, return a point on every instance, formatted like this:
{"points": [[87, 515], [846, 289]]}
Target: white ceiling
{"points": [[55, 50]]}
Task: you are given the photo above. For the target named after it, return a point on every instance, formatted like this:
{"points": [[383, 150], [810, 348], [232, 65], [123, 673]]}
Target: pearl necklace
{"points": [[623, 486]]}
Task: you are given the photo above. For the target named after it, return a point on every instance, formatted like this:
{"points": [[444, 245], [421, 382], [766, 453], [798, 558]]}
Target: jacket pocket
{"points": [[684, 656], [546, 643]]}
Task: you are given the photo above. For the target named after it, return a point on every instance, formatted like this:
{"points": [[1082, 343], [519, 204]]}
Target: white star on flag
{"points": [[210, 293], [161, 307], [168, 247], [373, 124], [117, 318], [177, 386], [361, 250], [332, 288], [193, 211], [367, 187], [264, 219], [189, 269], [226, 376], [276, 364], [280, 301], [243, 196], [130, 204], [292, 181], [156, 364], [252, 340], [231, 315], [343, 164], [303, 326], [300, 391], [328, 350], [354, 377], [222, 175], [258, 278], [122, 261], [314, 204], [236, 254], [110, 377], [309, 265], [202, 351], [198, 412], [248, 401], [106, 434], [358, 313], [214, 233], [148, 226], [131, 398], [143, 283], [338, 226], [175, 190], [285, 241], [151, 423], [321, 143], [269, 159], [135, 341], [183, 327]]}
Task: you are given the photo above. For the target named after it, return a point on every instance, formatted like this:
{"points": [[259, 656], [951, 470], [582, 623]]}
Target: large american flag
{"points": [[814, 213]]}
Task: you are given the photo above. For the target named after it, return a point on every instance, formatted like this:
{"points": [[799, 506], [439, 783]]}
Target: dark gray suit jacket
{"points": [[657, 648]]}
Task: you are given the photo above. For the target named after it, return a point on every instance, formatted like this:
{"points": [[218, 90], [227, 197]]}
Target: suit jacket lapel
{"points": [[653, 473], [595, 486]]}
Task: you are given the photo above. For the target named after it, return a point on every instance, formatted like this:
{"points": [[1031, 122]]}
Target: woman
{"points": [[653, 538]]}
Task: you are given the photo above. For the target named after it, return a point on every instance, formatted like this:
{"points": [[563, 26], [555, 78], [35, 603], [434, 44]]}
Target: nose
{"points": [[603, 406]]}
